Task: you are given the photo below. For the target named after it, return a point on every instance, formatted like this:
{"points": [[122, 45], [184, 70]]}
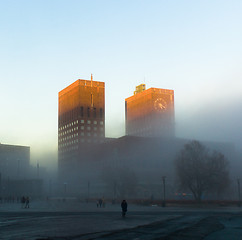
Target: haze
{"points": [[192, 47]]}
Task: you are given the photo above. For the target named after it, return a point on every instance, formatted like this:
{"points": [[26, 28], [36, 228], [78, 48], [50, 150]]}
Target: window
{"points": [[82, 121], [88, 128], [101, 122], [101, 128], [82, 133], [95, 128], [88, 112], [101, 113], [88, 134], [95, 122], [94, 113], [88, 122], [82, 127], [81, 112]]}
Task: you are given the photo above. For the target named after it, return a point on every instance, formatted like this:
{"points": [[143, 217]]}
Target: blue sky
{"points": [[192, 47]]}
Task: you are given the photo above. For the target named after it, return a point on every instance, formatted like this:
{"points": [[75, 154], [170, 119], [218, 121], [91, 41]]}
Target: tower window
{"points": [[94, 113], [81, 111], [88, 112], [101, 112]]}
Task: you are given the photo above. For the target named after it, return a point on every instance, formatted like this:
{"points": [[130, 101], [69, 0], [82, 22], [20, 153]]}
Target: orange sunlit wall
{"points": [[81, 117], [150, 113]]}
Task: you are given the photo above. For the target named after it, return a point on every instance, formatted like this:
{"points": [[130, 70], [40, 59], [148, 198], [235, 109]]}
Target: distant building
{"points": [[150, 113], [142, 161], [14, 161], [81, 120], [14, 169]]}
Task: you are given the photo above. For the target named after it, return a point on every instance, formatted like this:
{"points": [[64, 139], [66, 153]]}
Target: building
{"points": [[14, 169], [81, 120], [133, 166], [14, 161], [150, 112]]}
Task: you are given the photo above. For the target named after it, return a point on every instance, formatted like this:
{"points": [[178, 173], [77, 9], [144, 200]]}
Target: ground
{"points": [[49, 220]]}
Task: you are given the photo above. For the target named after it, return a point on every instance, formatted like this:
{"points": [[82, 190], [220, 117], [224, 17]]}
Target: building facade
{"points": [[14, 161], [150, 113], [81, 120]]}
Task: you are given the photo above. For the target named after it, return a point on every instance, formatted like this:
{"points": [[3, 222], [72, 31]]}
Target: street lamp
{"points": [[65, 188], [88, 191], [238, 182], [18, 167], [164, 191]]}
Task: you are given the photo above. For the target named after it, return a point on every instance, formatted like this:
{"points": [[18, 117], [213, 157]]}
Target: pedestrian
{"points": [[27, 202], [23, 201], [124, 206], [100, 201]]}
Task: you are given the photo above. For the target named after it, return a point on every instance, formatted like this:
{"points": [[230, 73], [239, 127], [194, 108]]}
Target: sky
{"points": [[192, 47]]}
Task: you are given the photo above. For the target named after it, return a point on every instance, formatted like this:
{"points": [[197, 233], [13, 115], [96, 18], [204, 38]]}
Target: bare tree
{"points": [[200, 171]]}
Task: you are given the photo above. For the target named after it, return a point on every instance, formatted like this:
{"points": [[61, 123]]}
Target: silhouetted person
{"points": [[23, 201], [100, 202], [124, 207], [27, 202]]}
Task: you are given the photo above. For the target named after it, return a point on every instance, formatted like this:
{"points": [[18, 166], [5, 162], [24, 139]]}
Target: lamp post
{"points": [[18, 167], [65, 188], [114, 191], [50, 187], [164, 191], [37, 170], [88, 191], [238, 182]]}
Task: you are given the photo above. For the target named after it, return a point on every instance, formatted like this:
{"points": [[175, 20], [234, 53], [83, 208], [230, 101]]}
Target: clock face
{"points": [[160, 105]]}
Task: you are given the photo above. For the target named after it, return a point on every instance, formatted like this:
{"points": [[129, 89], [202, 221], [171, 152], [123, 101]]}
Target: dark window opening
{"points": [[94, 113], [88, 112], [82, 113], [101, 112]]}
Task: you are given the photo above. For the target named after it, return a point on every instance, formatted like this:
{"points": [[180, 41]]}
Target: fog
{"points": [[212, 122], [217, 124]]}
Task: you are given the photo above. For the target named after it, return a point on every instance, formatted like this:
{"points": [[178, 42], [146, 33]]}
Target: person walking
{"points": [[27, 202], [100, 201], [124, 206], [23, 201]]}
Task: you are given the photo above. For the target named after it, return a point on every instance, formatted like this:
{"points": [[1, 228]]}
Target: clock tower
{"points": [[150, 112]]}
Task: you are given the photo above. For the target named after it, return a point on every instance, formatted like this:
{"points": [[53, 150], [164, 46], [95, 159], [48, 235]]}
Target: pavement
{"points": [[72, 220]]}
